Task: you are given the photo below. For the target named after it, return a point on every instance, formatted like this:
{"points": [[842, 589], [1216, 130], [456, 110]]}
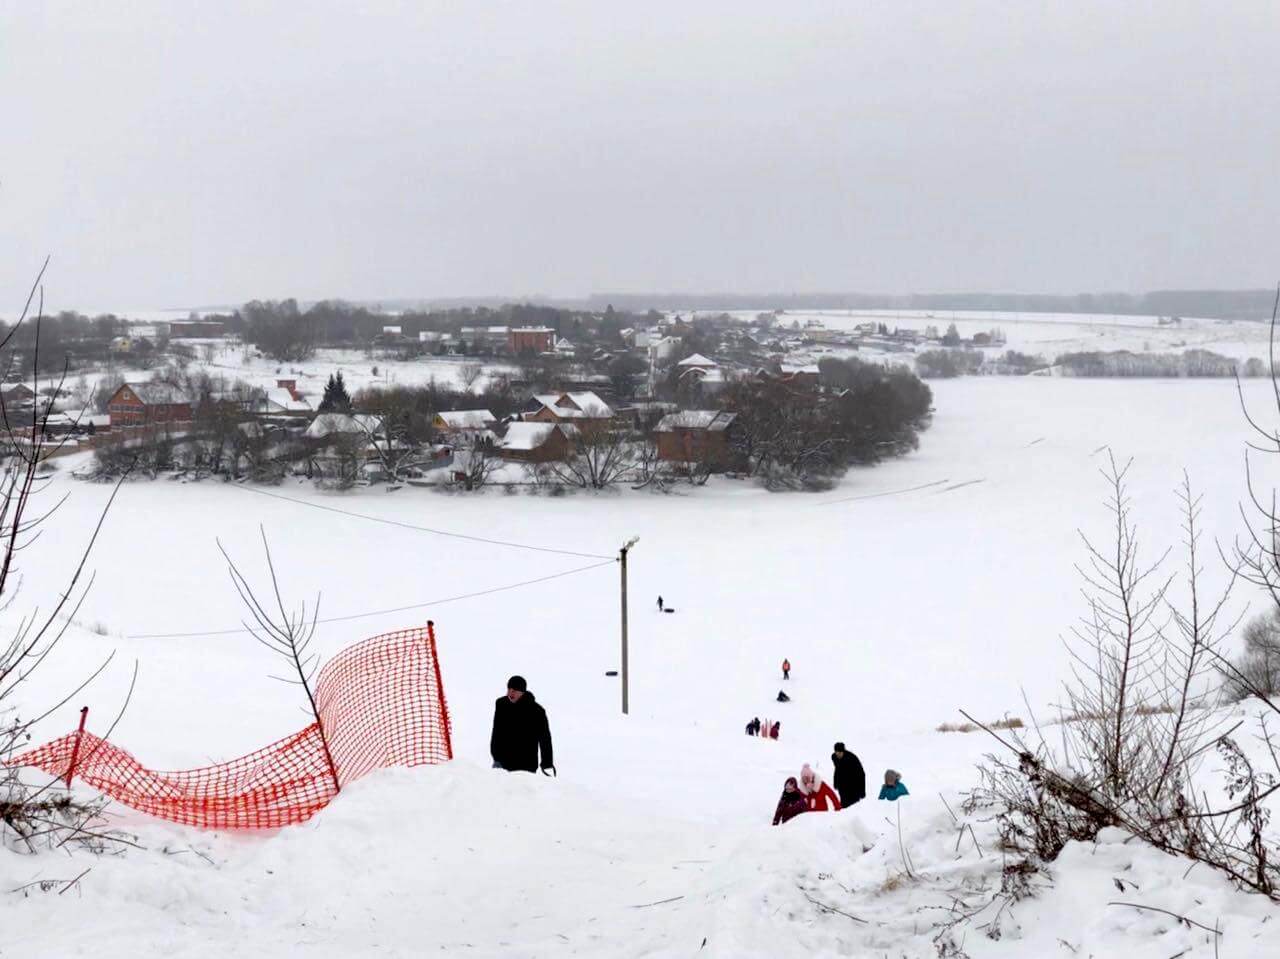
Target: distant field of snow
{"points": [[236, 362], [937, 582], [1052, 334]]}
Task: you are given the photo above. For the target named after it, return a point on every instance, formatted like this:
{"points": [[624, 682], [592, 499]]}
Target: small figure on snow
{"points": [[753, 727], [791, 804], [774, 730], [520, 731], [786, 669], [849, 778], [819, 796], [893, 786], [659, 604], [783, 697]]}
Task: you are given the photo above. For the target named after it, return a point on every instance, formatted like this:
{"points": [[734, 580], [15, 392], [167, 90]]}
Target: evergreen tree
{"points": [[336, 398]]}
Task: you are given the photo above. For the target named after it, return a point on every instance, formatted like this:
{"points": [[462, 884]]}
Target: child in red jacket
{"points": [[819, 796]]}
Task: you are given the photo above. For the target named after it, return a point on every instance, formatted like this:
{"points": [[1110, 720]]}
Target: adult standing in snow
{"points": [[659, 604], [849, 779], [819, 796], [791, 804], [893, 786], [786, 669], [520, 731]]}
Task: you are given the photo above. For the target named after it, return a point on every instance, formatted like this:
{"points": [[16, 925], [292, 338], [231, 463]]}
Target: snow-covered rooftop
{"points": [[697, 360], [586, 405], [328, 424], [467, 419], [526, 436], [713, 420], [151, 393], [278, 397]]}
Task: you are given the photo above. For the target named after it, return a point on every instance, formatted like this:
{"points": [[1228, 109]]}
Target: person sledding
{"points": [[774, 730], [783, 697], [819, 796], [791, 804], [520, 731]]}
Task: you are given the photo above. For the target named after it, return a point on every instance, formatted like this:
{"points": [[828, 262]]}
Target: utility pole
{"points": [[622, 558]]}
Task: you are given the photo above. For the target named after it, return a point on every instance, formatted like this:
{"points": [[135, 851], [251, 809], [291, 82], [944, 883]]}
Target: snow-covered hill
{"points": [[939, 582]]}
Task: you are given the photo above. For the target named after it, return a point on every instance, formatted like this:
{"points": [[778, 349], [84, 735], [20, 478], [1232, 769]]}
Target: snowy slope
{"points": [[939, 582]]}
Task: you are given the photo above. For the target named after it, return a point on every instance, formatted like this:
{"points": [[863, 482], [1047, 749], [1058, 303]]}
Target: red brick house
{"points": [[147, 404], [530, 339], [701, 437]]}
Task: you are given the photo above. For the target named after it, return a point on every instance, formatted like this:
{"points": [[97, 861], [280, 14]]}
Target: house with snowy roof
{"points": [[281, 401], [537, 442], [698, 437], [585, 410], [329, 425], [147, 404], [464, 425], [697, 362], [530, 339]]}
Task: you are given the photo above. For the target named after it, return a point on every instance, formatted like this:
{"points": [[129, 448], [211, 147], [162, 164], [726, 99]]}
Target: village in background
{"points": [[549, 398]]}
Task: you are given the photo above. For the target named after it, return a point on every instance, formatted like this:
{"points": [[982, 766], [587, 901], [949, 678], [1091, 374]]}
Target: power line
{"points": [[424, 529], [383, 612]]}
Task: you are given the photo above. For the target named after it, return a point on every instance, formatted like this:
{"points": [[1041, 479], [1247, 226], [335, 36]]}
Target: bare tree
{"points": [[288, 633], [1260, 661], [1138, 719], [476, 463], [27, 812], [1116, 643], [469, 374], [602, 456]]}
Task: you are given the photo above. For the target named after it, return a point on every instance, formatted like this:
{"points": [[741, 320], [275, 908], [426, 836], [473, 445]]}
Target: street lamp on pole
{"points": [[622, 561]]}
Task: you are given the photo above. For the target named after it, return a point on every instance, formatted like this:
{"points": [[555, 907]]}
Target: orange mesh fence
{"points": [[381, 703]]}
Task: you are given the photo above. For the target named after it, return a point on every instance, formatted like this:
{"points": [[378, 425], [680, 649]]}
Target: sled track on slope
{"points": [[955, 486], [891, 492]]}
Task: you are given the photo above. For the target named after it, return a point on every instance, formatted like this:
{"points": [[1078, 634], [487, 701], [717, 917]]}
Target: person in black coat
{"points": [[520, 731], [850, 779]]}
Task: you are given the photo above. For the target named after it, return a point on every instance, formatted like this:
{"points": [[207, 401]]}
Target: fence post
{"points": [[444, 705], [75, 749]]}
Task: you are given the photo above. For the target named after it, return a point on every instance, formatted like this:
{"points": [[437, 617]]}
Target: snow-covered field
{"points": [[1052, 334], [360, 370], [938, 582]]}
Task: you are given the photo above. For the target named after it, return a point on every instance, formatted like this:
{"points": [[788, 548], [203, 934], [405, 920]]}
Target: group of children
{"points": [[767, 729], [811, 794]]}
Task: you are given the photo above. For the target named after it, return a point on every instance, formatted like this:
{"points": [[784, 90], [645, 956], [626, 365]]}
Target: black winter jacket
{"points": [[520, 730], [850, 780]]}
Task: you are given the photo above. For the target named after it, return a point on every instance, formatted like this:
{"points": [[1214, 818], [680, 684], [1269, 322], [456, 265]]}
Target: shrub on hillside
{"points": [[942, 364]]}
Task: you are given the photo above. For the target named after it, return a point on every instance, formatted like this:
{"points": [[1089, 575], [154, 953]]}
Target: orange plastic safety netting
{"points": [[381, 703]]}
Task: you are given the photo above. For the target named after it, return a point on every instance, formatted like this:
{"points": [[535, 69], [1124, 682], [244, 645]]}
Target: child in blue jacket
{"points": [[893, 786]]}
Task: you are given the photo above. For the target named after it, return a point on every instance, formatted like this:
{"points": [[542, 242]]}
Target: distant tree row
{"points": [[1192, 363], [287, 333]]}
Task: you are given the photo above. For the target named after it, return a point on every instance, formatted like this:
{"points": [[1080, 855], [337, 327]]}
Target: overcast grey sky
{"points": [[177, 153]]}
